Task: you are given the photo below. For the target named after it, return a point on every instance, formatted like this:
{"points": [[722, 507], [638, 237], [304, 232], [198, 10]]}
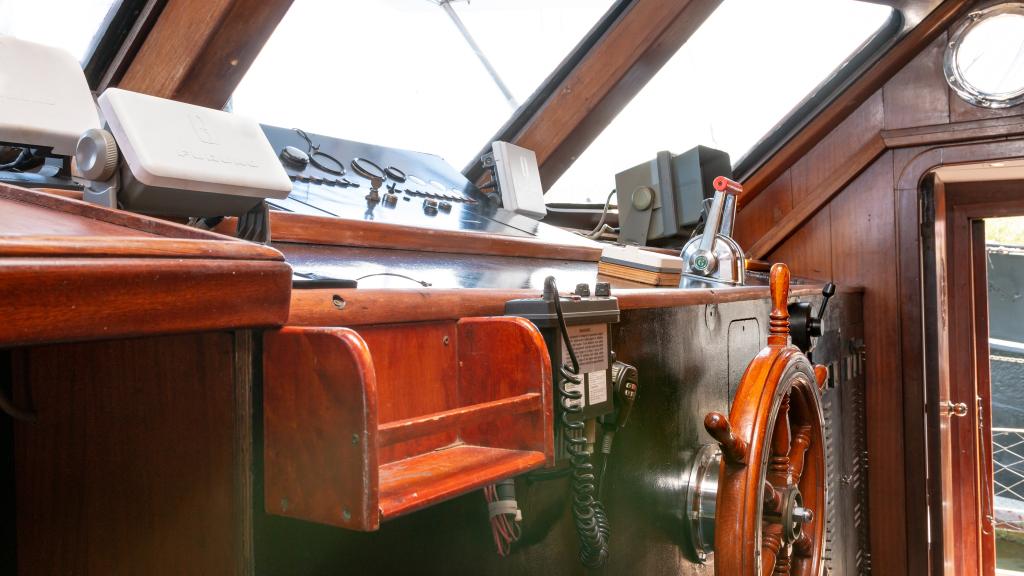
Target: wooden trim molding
{"points": [[199, 50], [954, 132], [808, 207]]}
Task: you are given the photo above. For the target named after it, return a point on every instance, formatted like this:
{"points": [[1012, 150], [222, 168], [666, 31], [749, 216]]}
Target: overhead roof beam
{"points": [[618, 66], [199, 50]]}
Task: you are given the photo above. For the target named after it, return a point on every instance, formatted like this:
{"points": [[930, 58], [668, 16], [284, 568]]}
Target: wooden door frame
{"points": [[951, 333]]}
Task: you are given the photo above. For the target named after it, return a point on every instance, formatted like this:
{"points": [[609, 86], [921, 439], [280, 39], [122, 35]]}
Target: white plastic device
{"points": [[171, 145], [519, 179], [44, 97]]}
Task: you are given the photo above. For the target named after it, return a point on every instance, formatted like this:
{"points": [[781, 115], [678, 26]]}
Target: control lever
{"points": [[802, 325], [714, 256]]}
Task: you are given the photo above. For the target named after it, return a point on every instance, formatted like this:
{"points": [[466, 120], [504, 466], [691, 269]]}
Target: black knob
{"points": [[603, 290], [582, 290], [814, 323], [294, 157]]}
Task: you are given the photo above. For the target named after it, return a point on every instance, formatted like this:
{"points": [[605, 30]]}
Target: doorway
{"points": [[972, 532], [1004, 263]]}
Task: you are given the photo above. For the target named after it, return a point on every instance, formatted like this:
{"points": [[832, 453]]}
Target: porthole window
{"points": [[984, 61]]}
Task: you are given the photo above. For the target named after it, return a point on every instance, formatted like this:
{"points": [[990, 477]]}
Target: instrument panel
{"points": [[359, 181]]}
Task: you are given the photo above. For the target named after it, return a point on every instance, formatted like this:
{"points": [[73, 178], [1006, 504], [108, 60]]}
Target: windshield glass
{"points": [[73, 26], [741, 72], [403, 73]]}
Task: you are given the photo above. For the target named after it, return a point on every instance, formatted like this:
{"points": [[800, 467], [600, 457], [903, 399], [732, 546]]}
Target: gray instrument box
{"points": [[663, 198]]}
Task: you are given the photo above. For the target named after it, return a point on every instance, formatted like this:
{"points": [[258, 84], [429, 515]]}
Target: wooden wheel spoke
{"points": [[798, 452], [781, 435], [772, 501], [779, 469], [783, 561], [771, 544], [803, 547]]}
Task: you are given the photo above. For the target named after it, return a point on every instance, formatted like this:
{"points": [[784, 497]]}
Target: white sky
{"points": [[398, 73], [69, 24]]}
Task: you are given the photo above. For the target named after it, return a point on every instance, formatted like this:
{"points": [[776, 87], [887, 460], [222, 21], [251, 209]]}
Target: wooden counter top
{"points": [[362, 306], [74, 271]]}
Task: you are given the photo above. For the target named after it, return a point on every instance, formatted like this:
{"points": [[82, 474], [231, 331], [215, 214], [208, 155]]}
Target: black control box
{"points": [[586, 319]]}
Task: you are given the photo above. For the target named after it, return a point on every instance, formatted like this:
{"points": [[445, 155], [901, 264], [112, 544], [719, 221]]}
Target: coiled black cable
{"points": [[591, 522]]}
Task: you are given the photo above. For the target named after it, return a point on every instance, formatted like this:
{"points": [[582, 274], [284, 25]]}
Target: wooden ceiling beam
{"points": [[199, 50], [611, 74], [870, 82]]}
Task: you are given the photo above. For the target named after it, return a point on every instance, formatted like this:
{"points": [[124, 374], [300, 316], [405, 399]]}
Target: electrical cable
{"points": [[423, 283], [26, 160], [601, 227], [592, 527], [505, 527]]}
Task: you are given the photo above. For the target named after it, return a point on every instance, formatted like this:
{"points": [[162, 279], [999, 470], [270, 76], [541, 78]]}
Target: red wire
{"points": [[504, 530]]}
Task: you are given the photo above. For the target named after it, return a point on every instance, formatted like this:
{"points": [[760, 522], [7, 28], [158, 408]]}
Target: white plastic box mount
{"points": [[44, 97], [188, 160], [519, 180]]}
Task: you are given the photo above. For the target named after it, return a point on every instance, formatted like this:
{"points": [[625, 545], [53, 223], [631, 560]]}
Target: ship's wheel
{"points": [[757, 498]]}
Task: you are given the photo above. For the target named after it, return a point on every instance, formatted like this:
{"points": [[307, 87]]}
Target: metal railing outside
{"points": [[1008, 477]]}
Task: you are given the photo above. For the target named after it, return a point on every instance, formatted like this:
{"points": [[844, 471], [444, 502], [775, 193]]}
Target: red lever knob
{"points": [[723, 184]]}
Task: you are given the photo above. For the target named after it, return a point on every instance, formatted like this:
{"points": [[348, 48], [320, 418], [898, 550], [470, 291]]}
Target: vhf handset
{"points": [[589, 385]]}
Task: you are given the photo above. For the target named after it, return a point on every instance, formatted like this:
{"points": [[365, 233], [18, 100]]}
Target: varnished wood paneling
{"points": [[864, 252], [825, 170], [765, 211], [917, 94], [130, 468], [814, 202], [828, 157], [808, 252], [416, 366]]}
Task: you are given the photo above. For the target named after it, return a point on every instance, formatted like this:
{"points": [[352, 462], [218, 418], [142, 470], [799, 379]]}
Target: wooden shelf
{"points": [[361, 427], [417, 482]]}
